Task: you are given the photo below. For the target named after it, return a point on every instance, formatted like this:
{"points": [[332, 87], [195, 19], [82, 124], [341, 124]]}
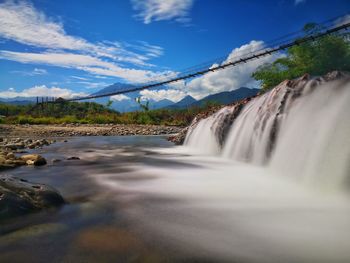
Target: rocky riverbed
{"points": [[67, 130], [13, 152], [20, 145]]}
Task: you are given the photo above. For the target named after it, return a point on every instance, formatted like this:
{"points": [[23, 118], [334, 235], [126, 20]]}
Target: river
{"points": [[141, 199], [275, 190]]}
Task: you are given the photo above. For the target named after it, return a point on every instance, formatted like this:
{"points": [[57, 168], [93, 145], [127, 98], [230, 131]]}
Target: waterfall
{"points": [[206, 135], [314, 138], [300, 129]]}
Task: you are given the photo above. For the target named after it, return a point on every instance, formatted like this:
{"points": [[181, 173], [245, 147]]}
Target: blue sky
{"points": [[68, 48]]}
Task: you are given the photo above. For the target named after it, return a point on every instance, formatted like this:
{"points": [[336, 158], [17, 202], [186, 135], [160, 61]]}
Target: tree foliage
{"points": [[319, 57], [93, 113], [145, 106]]}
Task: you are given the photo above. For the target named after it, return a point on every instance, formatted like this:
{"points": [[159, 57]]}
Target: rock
{"points": [[18, 162], [55, 160], [19, 197], [30, 162], [33, 159], [2, 159], [10, 156], [179, 138], [11, 146], [31, 146], [73, 158], [20, 145]]}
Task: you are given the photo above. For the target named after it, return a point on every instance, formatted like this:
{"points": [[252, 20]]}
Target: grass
{"points": [[93, 113]]}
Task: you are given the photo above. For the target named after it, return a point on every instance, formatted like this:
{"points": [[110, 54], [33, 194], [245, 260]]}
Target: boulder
{"points": [[19, 197], [33, 159]]}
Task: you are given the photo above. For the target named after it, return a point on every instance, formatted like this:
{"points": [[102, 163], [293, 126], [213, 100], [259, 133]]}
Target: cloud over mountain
{"points": [[41, 91]]}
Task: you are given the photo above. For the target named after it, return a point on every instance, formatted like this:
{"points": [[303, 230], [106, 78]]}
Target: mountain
{"points": [[127, 105], [160, 104], [113, 88], [227, 97], [18, 100], [184, 103]]}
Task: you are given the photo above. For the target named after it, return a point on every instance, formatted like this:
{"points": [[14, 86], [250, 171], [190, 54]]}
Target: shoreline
{"points": [[70, 130]]}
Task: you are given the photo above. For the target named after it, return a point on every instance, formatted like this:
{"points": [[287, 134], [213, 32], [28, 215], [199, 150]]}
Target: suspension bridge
{"points": [[280, 44]]}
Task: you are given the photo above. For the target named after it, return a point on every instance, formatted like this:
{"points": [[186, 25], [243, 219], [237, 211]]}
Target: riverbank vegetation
{"points": [[93, 113], [323, 55]]}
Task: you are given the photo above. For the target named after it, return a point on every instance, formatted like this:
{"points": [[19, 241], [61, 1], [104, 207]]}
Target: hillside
{"points": [[227, 97], [184, 103]]}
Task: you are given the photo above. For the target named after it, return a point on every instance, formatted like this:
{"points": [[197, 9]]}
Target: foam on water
{"points": [[277, 191]]}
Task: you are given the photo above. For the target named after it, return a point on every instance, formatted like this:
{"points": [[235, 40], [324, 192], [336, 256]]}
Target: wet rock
{"points": [[11, 146], [179, 138], [20, 145], [18, 162], [2, 159], [73, 158], [19, 197], [33, 159], [31, 146], [10, 156]]}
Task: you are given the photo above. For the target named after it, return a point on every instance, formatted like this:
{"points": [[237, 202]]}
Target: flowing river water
{"points": [[141, 199]]}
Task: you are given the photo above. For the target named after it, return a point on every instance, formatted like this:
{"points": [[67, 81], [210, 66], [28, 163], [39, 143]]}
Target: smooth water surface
{"points": [[140, 199]]}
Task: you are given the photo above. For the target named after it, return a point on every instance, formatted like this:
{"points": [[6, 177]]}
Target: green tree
{"points": [[109, 103], [319, 57], [145, 106]]}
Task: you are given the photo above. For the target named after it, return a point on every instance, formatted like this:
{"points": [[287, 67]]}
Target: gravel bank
{"points": [[67, 130]]}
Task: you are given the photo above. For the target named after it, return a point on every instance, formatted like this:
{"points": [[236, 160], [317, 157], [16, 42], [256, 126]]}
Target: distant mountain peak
{"points": [[113, 88]]}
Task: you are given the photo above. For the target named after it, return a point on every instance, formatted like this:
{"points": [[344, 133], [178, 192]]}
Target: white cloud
{"points": [[34, 72], [343, 20], [86, 63], [119, 97], [230, 78], [21, 22], [40, 71], [218, 81], [157, 10], [79, 78], [297, 2], [157, 95], [93, 85], [41, 91], [100, 77]]}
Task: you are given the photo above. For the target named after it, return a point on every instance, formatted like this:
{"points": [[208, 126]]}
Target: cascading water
{"points": [[300, 127], [269, 187], [313, 143], [205, 135]]}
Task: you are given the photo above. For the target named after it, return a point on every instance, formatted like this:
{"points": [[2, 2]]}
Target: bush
{"points": [[325, 54]]}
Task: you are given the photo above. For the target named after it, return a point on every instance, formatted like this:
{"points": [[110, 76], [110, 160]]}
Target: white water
{"points": [[203, 138], [312, 142], [243, 204]]}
